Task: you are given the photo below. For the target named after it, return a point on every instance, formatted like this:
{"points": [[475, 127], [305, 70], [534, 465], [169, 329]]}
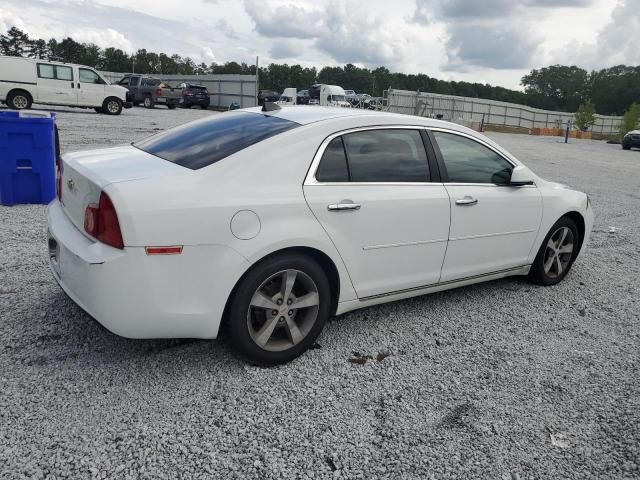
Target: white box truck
{"points": [[333, 96], [288, 97], [24, 81]]}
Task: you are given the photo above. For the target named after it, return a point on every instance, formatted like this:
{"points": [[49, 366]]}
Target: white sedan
{"points": [[267, 222]]}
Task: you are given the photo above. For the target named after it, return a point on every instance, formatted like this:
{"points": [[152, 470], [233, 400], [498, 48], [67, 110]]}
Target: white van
{"points": [[288, 97], [24, 81], [333, 96]]}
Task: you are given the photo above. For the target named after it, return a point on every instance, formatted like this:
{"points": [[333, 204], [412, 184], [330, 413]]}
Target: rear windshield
{"points": [[204, 142]]}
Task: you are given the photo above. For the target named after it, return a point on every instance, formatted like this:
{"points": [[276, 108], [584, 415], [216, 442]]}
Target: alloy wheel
{"points": [[558, 252], [283, 310]]}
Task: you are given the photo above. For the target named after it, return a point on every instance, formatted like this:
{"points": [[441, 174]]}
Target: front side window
{"points": [[89, 76], [468, 161], [388, 155], [204, 142], [134, 81]]}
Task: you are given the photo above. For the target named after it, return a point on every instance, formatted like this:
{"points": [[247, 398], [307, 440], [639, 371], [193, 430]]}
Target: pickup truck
{"points": [[151, 91]]}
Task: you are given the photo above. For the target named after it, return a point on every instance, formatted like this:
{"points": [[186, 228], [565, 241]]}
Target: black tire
{"points": [[136, 104], [237, 320], [537, 273], [112, 106], [19, 100], [148, 102], [99, 110], [626, 147], [171, 106]]}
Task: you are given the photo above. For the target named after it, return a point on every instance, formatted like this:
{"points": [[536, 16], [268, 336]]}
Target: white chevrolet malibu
{"points": [[267, 222]]}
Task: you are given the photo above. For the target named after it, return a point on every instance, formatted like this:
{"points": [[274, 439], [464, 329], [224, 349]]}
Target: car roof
{"points": [[307, 114]]}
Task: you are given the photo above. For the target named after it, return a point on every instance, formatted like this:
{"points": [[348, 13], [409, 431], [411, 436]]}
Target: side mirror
{"points": [[521, 176]]}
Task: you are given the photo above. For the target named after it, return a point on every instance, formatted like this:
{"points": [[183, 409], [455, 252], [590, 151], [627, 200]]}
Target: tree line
{"points": [[611, 91]]}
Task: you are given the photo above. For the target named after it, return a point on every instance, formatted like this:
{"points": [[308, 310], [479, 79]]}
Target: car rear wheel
{"points": [[279, 309], [19, 100], [148, 102], [626, 147], [557, 253]]}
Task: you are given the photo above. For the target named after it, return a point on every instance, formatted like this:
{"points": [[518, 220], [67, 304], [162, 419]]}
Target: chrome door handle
{"points": [[344, 205], [467, 201]]}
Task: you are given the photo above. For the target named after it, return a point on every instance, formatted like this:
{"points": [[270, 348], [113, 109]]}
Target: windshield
{"points": [[204, 142], [338, 98]]}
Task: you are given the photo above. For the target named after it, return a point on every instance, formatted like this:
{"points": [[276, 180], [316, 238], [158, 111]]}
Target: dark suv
{"points": [[631, 139], [194, 95]]}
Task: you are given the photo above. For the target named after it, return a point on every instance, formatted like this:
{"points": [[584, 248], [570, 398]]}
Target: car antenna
{"points": [[271, 107]]}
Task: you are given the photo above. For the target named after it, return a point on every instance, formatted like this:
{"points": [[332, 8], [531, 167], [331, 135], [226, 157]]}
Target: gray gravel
{"points": [[503, 380]]}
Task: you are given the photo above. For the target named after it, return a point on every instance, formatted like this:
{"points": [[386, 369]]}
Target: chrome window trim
{"points": [[310, 179]]}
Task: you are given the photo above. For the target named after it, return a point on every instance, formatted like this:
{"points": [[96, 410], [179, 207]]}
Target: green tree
{"points": [[630, 120], [15, 43], [565, 86], [586, 116]]}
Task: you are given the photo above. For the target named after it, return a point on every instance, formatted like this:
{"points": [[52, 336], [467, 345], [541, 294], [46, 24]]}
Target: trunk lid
{"points": [[85, 174]]}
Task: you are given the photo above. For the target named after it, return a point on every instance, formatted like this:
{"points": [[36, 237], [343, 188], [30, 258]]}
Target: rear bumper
{"points": [[139, 296]]}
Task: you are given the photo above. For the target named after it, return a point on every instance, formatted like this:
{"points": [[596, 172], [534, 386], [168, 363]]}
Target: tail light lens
{"points": [[158, 92], [101, 222]]}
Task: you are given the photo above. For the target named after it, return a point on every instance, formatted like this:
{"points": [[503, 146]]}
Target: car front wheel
{"points": [[112, 106], [557, 253], [279, 309]]}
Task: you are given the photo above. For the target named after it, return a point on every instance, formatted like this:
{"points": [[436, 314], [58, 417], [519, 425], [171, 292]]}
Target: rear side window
{"points": [[46, 71], [55, 72], [204, 142], [333, 166], [64, 73], [389, 155]]}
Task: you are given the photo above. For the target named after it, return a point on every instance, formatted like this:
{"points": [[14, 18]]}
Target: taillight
{"points": [[101, 222], [158, 92]]}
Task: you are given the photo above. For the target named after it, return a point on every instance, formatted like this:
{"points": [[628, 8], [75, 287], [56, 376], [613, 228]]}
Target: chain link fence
{"points": [[473, 112]]}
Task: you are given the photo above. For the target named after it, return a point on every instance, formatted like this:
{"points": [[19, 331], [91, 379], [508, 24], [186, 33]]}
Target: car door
{"points": [[373, 193], [55, 84], [493, 225], [90, 88]]}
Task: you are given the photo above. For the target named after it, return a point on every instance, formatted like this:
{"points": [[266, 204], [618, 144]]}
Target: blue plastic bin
{"points": [[27, 157]]}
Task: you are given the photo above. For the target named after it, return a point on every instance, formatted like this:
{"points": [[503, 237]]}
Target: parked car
{"points": [[631, 140], [151, 91], [267, 96], [172, 237], [351, 96], [24, 81], [194, 95], [303, 97]]}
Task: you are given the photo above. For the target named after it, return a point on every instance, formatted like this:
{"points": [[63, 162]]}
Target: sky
{"points": [[487, 41]]}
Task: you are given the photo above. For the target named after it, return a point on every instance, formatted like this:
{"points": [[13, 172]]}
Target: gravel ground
{"points": [[503, 380]]}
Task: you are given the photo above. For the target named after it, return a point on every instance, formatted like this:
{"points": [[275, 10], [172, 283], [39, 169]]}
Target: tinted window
{"points": [[204, 142], [124, 82], [134, 81], [387, 156], [46, 71], [89, 76], [64, 73], [468, 161], [333, 166]]}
